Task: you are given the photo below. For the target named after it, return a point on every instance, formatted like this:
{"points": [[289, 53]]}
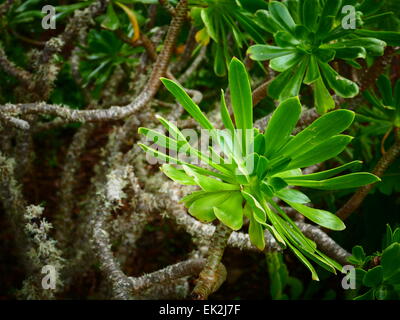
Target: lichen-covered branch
{"points": [[324, 243], [115, 112], [214, 273], [179, 270]]}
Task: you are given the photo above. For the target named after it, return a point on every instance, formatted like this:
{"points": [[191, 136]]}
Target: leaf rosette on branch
{"points": [[311, 35], [258, 168]]}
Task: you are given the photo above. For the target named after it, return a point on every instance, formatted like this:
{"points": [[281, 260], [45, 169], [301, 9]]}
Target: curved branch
{"points": [[383, 164], [116, 112]]}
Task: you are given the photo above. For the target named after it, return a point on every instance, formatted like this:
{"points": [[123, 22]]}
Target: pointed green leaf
{"points": [[160, 139], [286, 62], [111, 21], [320, 217], [321, 129], [256, 234], [348, 181], [385, 87], [328, 15], [293, 195], [281, 125], [259, 214], [187, 103], [226, 118], [304, 260], [310, 13], [325, 174], [262, 52], [209, 184], [323, 100], [324, 151], [177, 175], [191, 197], [242, 104], [312, 72], [281, 15], [293, 86], [342, 86]]}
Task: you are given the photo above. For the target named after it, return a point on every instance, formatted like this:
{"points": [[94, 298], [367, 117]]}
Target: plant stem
{"points": [[214, 273], [383, 164]]}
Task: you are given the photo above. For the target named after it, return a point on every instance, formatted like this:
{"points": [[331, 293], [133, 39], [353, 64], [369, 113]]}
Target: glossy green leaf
{"points": [[286, 62], [285, 39], [203, 208], [226, 118], [262, 52], [324, 151], [385, 87], [293, 195], [242, 104], [209, 184], [278, 84], [342, 86], [209, 24], [281, 125], [281, 15], [160, 139], [328, 15], [374, 47], [187, 103], [310, 10], [256, 234], [323, 100], [177, 175], [390, 260], [219, 60], [312, 72], [352, 180], [304, 260], [111, 21], [173, 130], [277, 183], [392, 38], [373, 277], [265, 21], [320, 130], [259, 214], [296, 76], [327, 173], [230, 212], [191, 197], [321, 217]]}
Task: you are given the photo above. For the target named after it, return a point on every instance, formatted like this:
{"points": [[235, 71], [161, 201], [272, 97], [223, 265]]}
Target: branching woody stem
{"points": [[169, 7], [383, 164], [115, 112], [214, 273]]}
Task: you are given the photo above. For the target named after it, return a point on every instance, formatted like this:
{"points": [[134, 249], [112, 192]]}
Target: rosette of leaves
{"points": [[384, 110], [304, 45], [246, 183], [378, 275], [230, 26], [103, 53]]}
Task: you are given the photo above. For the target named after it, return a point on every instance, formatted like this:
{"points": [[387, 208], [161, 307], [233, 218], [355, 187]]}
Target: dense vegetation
{"points": [[200, 149]]}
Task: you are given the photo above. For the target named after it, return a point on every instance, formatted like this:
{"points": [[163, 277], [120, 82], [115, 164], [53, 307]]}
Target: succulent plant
{"points": [[259, 168], [305, 44]]}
